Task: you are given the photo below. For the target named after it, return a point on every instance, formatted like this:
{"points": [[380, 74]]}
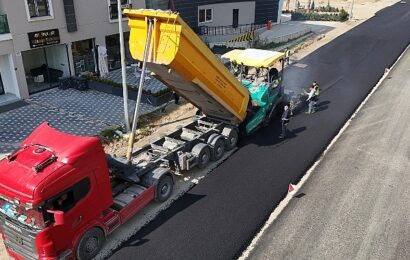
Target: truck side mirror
{"points": [[59, 218]]}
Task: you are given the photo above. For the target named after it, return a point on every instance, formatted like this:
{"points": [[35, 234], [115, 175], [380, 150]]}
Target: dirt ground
{"points": [[154, 125], [160, 123]]}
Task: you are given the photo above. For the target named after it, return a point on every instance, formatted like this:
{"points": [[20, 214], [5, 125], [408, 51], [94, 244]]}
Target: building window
{"points": [[38, 8], [158, 4], [205, 15], [113, 7], [69, 199]]}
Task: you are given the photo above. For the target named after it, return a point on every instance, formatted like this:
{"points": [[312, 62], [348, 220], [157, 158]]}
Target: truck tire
{"points": [[217, 143], [90, 244], [231, 137], [203, 154], [164, 188]]}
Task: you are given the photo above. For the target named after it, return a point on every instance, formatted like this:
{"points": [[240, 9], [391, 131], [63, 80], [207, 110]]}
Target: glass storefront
{"points": [[83, 56], [44, 66], [1, 87], [114, 52]]}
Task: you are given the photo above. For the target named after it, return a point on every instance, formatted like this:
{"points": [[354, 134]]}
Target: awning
{"points": [[254, 57]]}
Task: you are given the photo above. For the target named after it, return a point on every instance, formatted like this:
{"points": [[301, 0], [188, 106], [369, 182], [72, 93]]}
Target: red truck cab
{"points": [[57, 197]]}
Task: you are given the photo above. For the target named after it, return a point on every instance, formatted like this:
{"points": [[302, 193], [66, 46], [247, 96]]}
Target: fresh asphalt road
{"points": [[356, 204], [219, 217]]}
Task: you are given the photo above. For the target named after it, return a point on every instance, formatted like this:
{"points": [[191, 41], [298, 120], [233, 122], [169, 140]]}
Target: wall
{"points": [[223, 13], [189, 8], [6, 47], [280, 7], [8, 76], [92, 18], [266, 10], [92, 21]]}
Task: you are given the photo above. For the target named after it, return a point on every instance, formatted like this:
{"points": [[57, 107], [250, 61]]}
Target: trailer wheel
{"points": [[217, 143], [90, 244], [164, 188], [203, 154], [231, 135]]}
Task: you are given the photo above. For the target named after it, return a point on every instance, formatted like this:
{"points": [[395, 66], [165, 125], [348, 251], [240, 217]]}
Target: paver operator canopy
{"points": [[180, 60]]}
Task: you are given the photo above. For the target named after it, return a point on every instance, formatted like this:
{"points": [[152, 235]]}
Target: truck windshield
{"points": [[33, 218]]}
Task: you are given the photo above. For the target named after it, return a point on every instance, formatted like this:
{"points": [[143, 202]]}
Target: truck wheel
{"points": [[217, 143], [203, 154], [90, 244], [164, 188], [231, 135]]}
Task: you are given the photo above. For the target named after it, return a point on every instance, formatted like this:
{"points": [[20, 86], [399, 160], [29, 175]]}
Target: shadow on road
{"points": [[178, 206]]}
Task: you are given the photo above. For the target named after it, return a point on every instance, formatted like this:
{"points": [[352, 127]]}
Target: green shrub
{"points": [[314, 16], [145, 131], [343, 15], [327, 8], [109, 134]]}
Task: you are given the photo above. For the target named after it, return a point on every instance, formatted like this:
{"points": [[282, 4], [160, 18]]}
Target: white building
{"points": [[42, 40]]}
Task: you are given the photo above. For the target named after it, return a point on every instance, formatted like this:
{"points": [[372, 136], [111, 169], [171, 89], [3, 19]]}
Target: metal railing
{"points": [[4, 25], [229, 29]]}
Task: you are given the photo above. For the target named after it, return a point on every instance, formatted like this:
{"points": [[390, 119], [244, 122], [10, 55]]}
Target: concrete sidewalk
{"points": [[281, 32]]}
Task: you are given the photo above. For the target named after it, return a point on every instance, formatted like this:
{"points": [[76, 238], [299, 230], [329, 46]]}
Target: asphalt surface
{"points": [[355, 205], [218, 218]]}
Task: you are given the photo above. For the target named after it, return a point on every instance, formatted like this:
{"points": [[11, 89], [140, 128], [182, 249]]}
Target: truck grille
{"points": [[18, 239]]}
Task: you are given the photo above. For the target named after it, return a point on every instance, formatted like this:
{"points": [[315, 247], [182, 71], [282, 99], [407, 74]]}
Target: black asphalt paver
{"points": [[219, 217]]}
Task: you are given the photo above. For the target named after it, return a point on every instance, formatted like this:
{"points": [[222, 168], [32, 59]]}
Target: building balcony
{"points": [[4, 25]]}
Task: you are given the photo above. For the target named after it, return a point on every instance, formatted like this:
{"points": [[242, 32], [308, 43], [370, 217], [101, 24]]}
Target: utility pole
{"points": [[351, 11], [141, 85], [123, 72]]}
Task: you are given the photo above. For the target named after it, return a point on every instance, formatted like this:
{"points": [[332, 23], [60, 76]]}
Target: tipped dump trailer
{"points": [[179, 58], [230, 104], [61, 195]]}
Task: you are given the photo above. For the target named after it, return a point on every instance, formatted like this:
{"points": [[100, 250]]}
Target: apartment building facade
{"points": [[44, 40], [213, 13]]}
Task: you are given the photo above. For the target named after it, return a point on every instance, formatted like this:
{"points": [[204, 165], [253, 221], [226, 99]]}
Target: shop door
{"points": [[1, 87], [235, 20], [45, 66]]}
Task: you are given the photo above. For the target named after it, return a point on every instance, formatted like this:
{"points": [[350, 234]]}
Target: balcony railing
{"points": [[4, 25], [226, 30]]}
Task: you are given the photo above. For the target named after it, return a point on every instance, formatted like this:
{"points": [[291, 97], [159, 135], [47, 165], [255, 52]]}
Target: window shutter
{"points": [[70, 19]]}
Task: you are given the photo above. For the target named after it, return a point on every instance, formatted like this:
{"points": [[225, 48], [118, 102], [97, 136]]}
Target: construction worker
{"points": [[235, 68], [176, 98], [317, 91], [287, 55], [311, 99], [285, 121]]}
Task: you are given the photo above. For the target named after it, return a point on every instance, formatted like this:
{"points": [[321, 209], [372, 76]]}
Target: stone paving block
{"points": [[19, 123], [89, 105], [72, 111]]}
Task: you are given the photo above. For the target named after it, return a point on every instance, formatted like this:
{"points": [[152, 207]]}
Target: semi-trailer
{"points": [[61, 195]]}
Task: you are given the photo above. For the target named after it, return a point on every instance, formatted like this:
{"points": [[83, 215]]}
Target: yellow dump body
{"points": [[180, 60]]}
